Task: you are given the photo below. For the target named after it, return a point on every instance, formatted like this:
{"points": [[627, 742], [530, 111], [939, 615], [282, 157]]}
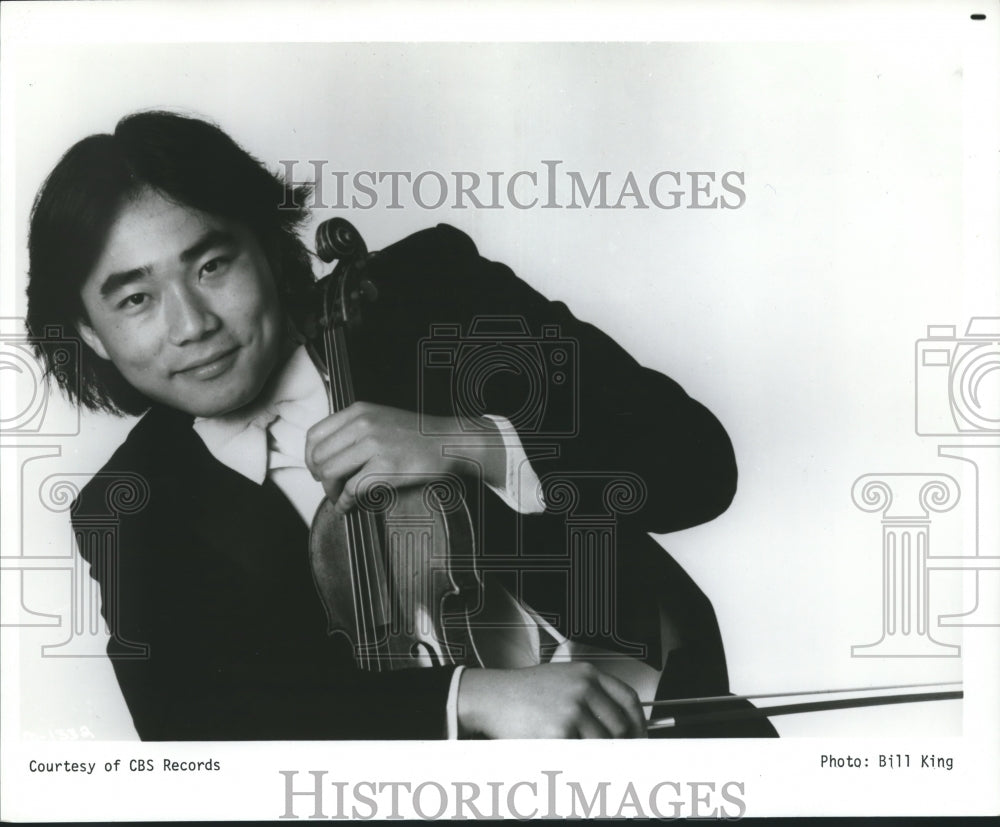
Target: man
{"points": [[174, 255]]}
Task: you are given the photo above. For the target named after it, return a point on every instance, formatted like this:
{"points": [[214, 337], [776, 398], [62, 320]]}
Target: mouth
{"points": [[210, 366]]}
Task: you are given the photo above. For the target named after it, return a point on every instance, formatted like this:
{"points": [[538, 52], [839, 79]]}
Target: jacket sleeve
{"points": [[564, 384], [180, 699]]}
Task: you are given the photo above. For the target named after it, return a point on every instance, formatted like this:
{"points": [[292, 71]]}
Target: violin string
{"points": [[355, 587], [761, 696], [363, 537], [337, 398], [333, 398], [367, 527], [380, 591], [364, 589], [369, 541], [364, 612]]}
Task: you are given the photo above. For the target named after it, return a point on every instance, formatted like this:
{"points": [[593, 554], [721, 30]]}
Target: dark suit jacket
{"points": [[213, 576]]}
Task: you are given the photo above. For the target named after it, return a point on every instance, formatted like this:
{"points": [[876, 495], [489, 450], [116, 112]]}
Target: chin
{"points": [[207, 404], [221, 407]]}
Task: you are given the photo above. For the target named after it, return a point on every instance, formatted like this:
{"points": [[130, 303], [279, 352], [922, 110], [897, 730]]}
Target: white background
{"points": [[870, 214]]}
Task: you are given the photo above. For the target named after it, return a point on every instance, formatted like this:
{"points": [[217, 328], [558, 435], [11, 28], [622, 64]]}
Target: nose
{"points": [[189, 315]]}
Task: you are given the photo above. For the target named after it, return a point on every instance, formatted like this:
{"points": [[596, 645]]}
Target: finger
{"points": [[348, 498], [589, 725], [375, 472], [335, 421], [322, 449], [609, 713], [337, 469], [628, 701]]}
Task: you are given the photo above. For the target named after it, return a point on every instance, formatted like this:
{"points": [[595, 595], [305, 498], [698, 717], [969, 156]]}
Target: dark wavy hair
{"points": [[191, 162]]}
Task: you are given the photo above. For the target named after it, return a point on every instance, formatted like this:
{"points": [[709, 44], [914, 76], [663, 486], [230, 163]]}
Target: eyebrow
{"points": [[116, 281], [213, 238]]}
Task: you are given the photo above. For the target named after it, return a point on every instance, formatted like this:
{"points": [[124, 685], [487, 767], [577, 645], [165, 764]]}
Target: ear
{"points": [[89, 335]]}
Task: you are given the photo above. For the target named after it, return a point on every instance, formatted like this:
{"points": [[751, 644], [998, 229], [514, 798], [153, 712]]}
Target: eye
{"points": [[133, 300], [214, 266]]}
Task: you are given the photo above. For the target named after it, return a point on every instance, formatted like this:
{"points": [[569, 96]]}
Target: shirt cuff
{"points": [[451, 709], [523, 490]]}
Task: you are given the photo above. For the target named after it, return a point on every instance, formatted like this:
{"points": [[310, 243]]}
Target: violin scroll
{"points": [[337, 298], [337, 238]]}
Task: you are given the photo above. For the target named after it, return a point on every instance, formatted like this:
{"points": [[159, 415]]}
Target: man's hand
{"points": [[365, 439], [554, 700]]}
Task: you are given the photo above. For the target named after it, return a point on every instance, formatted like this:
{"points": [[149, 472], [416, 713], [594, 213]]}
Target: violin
{"points": [[397, 574]]}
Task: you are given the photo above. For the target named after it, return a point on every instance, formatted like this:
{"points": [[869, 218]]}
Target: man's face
{"points": [[184, 304]]}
